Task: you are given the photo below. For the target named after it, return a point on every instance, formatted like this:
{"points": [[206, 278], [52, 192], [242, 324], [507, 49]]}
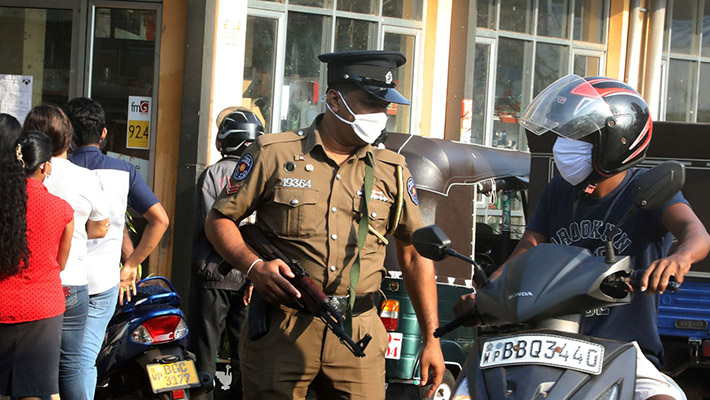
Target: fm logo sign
{"points": [[142, 107]]}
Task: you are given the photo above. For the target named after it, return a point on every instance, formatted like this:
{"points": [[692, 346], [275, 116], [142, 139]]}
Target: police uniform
{"points": [[310, 208]]}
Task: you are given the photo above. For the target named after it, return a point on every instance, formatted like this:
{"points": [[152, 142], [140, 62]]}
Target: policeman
{"points": [[311, 189]]}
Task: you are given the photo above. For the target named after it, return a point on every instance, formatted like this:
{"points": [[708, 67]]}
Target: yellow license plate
{"points": [[172, 376]]}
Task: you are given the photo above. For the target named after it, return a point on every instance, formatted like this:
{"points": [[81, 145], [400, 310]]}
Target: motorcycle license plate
{"points": [[550, 350], [172, 376]]}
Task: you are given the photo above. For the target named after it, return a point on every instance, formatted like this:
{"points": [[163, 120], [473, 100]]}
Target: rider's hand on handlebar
{"points": [[466, 303], [269, 279], [657, 275]]}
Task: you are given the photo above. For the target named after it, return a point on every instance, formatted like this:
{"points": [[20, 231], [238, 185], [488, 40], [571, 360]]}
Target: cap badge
{"points": [[388, 77]]}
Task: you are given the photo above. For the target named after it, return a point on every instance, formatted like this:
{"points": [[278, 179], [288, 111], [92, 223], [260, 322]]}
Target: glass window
{"points": [[680, 89], [589, 20], [516, 15], [405, 9], [510, 78], [358, 6], [399, 116], [586, 65], [684, 27], [486, 14], [259, 61], [552, 16], [313, 3], [300, 92], [39, 41], [550, 65], [704, 93], [480, 93], [353, 34], [123, 66], [706, 30]]}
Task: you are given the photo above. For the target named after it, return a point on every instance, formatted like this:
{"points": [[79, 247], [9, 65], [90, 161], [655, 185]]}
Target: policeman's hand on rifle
{"points": [[269, 279]]}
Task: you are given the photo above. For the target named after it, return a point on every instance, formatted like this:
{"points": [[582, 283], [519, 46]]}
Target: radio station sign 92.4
{"points": [[138, 131]]}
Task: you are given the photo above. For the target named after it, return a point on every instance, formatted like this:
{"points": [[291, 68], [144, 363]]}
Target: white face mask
{"points": [[573, 159], [367, 127]]}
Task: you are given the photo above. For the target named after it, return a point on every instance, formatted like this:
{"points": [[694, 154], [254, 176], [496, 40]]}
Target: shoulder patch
{"points": [[243, 168], [389, 156], [412, 190], [265, 140]]}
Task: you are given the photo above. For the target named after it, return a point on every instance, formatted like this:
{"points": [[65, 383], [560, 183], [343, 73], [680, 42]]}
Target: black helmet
{"points": [[237, 131], [605, 112]]}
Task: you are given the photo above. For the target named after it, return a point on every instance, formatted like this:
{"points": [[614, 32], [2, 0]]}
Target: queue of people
{"points": [[61, 260]]}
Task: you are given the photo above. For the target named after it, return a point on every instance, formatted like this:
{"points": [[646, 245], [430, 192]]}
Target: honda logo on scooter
{"points": [[520, 294]]}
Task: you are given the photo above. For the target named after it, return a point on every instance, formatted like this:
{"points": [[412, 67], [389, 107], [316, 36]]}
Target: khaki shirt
{"points": [[310, 207]]}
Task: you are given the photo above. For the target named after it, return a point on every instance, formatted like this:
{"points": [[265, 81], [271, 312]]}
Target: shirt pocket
{"points": [[378, 218], [295, 212]]}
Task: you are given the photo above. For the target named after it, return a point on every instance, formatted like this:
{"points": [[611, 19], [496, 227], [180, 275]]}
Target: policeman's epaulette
{"points": [[389, 156], [265, 140]]}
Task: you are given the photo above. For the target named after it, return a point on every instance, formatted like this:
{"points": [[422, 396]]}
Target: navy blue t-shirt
{"points": [[643, 237]]}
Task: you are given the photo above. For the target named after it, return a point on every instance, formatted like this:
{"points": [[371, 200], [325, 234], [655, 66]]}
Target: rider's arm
{"points": [[693, 246]]}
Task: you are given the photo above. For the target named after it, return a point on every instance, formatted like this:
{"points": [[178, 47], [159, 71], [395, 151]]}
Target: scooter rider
{"points": [[604, 129]]}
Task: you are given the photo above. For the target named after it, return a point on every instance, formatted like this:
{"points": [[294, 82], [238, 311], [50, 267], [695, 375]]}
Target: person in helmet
{"points": [[220, 300], [603, 129]]}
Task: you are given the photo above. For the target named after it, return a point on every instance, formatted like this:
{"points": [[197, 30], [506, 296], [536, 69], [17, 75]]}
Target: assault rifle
{"points": [[312, 298]]}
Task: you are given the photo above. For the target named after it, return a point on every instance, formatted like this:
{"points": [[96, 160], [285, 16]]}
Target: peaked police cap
{"points": [[372, 70]]}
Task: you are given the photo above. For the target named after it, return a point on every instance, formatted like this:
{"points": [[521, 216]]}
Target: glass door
{"points": [[121, 75], [405, 41], [260, 66], [36, 66]]}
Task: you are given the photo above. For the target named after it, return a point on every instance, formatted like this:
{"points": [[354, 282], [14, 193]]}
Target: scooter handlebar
{"points": [[468, 316]]}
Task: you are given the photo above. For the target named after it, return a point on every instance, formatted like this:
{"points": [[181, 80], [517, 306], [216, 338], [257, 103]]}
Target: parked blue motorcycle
{"points": [[144, 354]]}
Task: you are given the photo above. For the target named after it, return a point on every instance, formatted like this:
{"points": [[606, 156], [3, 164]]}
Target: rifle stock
{"points": [[312, 298]]}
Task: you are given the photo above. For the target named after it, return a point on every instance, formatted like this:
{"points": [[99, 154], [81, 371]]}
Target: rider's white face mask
{"points": [[573, 159], [367, 127]]}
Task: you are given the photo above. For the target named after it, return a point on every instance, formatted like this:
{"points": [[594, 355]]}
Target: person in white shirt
{"points": [[81, 189]]}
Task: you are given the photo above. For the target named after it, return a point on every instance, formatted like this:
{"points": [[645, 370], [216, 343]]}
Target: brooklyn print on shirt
{"points": [[592, 229]]}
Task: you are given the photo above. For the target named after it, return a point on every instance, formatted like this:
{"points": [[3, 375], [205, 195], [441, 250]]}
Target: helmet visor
{"points": [[570, 107]]}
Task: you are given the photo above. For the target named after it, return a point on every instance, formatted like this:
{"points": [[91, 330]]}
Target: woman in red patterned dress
{"points": [[35, 236]]}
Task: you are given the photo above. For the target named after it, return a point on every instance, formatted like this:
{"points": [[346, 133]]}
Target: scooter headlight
{"points": [[160, 330]]}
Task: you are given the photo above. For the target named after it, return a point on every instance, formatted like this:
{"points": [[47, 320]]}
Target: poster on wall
{"points": [[138, 130], [16, 95]]}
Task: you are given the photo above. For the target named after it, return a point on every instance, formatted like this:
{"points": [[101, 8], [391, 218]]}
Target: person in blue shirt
{"points": [[123, 186], [604, 128]]}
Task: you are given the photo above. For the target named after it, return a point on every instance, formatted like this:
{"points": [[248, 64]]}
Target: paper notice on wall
{"points": [[138, 130], [16, 95]]}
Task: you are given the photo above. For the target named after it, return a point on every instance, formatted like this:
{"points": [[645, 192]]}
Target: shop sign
{"points": [[138, 130]]}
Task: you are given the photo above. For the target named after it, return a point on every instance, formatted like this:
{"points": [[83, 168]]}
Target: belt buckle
{"points": [[339, 303], [66, 290]]}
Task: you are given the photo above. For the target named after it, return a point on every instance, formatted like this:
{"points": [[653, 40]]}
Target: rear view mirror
{"points": [[431, 242], [655, 187]]}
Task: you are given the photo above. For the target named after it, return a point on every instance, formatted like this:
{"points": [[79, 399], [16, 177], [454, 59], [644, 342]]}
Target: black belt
{"points": [[363, 303]]}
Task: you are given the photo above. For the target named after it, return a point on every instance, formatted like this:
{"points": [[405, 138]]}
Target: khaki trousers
{"points": [[298, 352]]}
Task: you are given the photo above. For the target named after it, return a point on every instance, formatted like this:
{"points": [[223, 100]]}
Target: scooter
{"points": [[533, 346], [144, 354]]}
